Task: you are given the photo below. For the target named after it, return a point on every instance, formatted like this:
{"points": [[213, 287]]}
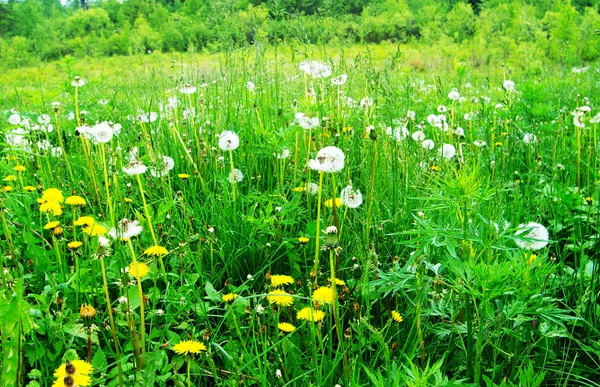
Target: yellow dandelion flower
{"points": [[286, 327], [229, 297], [10, 178], [75, 201], [499, 143], [183, 176], [7, 188], [74, 245], [95, 230], [300, 189], [85, 221], [531, 259], [280, 297], [309, 314], [329, 203], [51, 225], [323, 294], [156, 250], [73, 373], [397, 317], [189, 346], [138, 269], [277, 280], [53, 195], [19, 168], [127, 200], [435, 168], [338, 282], [87, 311], [303, 240], [29, 188], [52, 207]]}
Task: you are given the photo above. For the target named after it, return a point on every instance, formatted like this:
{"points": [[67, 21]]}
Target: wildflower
{"points": [[85, 221], [312, 188], [479, 143], [87, 311], [29, 188], [250, 86], [237, 176], [10, 178], [306, 122], [74, 245], [309, 314], [100, 133], [134, 167], [499, 143], [532, 236], [299, 189], [128, 200], [228, 140], [148, 117], [338, 282], [53, 195], [183, 176], [428, 144], [315, 69], [397, 317], [162, 168], [366, 102], [7, 188], [156, 251], [95, 230], [19, 168], [339, 80], [509, 85], [459, 131], [329, 202], [277, 280], [126, 229], [78, 82], [531, 259], [51, 225], [448, 151], [286, 327], [529, 138], [418, 136], [283, 155], [189, 347], [303, 240], [435, 168], [187, 89], [323, 294], [138, 269], [73, 373], [53, 207], [329, 159], [14, 119], [75, 201], [278, 374], [229, 297], [442, 109], [350, 197], [454, 95], [280, 297]]}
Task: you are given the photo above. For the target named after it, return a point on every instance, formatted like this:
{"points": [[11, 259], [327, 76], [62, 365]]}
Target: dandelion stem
{"points": [[112, 321], [107, 185], [188, 371], [318, 232], [147, 214], [141, 296], [232, 174]]}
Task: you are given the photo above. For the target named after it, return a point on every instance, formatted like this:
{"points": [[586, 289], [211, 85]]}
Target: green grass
{"points": [[433, 240]]}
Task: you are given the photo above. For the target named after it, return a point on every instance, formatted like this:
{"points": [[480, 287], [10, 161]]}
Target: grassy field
{"points": [[179, 220]]}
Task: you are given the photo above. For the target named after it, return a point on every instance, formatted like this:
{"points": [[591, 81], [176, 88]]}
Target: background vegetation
{"points": [[43, 30]]}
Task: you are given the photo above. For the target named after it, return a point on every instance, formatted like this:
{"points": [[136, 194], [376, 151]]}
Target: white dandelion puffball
{"points": [[126, 229], [148, 117], [428, 144], [163, 167], [250, 86], [329, 159], [312, 188], [459, 131], [228, 140], [187, 89], [56, 151], [410, 115], [237, 176], [14, 119], [100, 133], [479, 143], [338, 81], [315, 69], [442, 109], [135, 168], [454, 95], [529, 138], [78, 82], [350, 197], [306, 122], [533, 236], [418, 136], [448, 151], [509, 85], [283, 155]]}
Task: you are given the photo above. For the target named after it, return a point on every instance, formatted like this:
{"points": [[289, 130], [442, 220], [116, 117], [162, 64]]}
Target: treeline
{"points": [[34, 30]]}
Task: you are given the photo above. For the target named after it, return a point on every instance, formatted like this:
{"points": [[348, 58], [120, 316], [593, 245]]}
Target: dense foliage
{"points": [[34, 30]]}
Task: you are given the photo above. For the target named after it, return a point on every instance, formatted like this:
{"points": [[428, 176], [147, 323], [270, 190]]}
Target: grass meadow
{"points": [[300, 216]]}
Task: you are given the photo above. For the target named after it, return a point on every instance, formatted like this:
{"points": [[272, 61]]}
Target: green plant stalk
{"points": [[232, 174], [107, 185], [147, 214], [318, 232], [112, 320], [469, 318], [62, 146], [189, 383], [371, 191], [141, 295]]}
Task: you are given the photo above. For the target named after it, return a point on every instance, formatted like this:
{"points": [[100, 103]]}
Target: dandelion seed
{"points": [[509, 85], [306, 122], [126, 229], [329, 159], [428, 144], [134, 168], [351, 198], [418, 136], [228, 140], [532, 236], [454, 95], [237, 176], [529, 138], [448, 151], [14, 119], [459, 132], [100, 133], [187, 89], [315, 69]]}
